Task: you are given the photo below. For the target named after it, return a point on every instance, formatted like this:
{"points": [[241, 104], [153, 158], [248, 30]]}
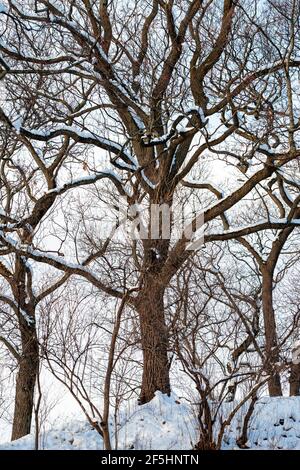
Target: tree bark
{"points": [[271, 347], [206, 441], [154, 339], [29, 358], [295, 380]]}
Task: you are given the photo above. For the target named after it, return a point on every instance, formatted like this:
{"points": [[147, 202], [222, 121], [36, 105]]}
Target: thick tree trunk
{"points": [[271, 349], [29, 357], [154, 338], [25, 384]]}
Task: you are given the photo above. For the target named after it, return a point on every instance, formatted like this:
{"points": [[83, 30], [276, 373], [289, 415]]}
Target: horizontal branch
{"points": [[243, 231], [59, 263]]}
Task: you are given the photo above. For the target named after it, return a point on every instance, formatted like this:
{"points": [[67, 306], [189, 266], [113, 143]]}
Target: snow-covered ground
{"points": [[167, 423], [275, 424], [164, 423]]}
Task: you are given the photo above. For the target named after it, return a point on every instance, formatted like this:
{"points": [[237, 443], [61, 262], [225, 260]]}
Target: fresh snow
{"points": [[164, 423], [146, 179], [76, 435], [264, 147], [167, 423], [275, 425]]}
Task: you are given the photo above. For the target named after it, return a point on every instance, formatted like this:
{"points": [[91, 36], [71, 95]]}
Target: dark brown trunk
{"points": [[25, 384], [295, 380], [154, 339], [206, 441], [271, 346], [29, 357], [205, 444], [242, 440]]}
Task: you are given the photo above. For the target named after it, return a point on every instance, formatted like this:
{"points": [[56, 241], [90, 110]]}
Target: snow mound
{"points": [[274, 425], [164, 423], [76, 435]]}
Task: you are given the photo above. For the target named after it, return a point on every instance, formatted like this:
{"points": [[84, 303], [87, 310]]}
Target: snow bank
{"points": [[164, 423], [274, 425], [168, 424], [76, 435]]}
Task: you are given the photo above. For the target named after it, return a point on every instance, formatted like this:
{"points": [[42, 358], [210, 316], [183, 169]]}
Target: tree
{"points": [[160, 89], [292, 300], [267, 269], [83, 349], [217, 321]]}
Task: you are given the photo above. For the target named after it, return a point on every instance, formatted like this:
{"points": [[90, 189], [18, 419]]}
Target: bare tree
{"points": [[159, 88], [85, 355], [216, 325]]}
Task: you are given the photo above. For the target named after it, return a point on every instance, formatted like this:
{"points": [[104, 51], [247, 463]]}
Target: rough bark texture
{"points": [[205, 444], [154, 338], [295, 380], [29, 358], [271, 350], [206, 441], [25, 384]]}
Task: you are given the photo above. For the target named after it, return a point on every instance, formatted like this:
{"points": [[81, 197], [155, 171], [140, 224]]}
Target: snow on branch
{"points": [[85, 137], [90, 180], [59, 263], [11, 303]]}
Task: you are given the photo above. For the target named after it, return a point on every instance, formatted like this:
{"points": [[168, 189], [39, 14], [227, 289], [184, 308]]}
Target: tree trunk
{"points": [[271, 348], [205, 444], [25, 384], [29, 358], [295, 380], [206, 441], [154, 339], [242, 440]]}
